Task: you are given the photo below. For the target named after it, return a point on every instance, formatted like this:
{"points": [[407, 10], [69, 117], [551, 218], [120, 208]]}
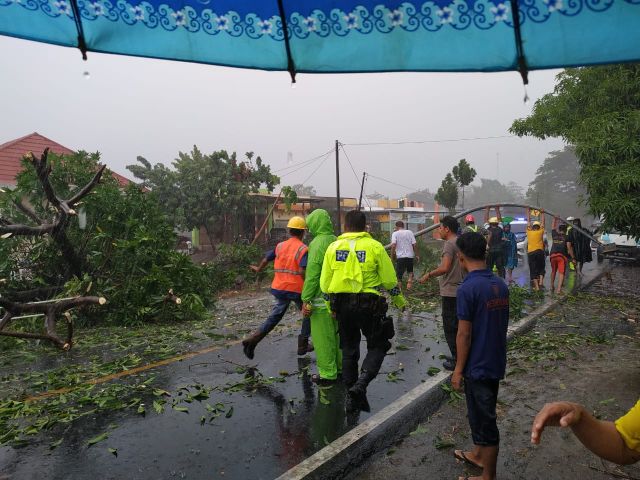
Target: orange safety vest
{"points": [[288, 272]]}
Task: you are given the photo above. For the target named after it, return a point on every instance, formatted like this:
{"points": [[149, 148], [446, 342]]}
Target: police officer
{"points": [[355, 269]]}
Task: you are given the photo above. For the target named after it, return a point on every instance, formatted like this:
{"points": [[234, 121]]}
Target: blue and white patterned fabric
{"points": [[340, 35]]}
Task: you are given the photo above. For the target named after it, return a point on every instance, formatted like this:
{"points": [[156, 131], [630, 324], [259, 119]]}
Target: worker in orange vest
{"points": [[290, 261]]}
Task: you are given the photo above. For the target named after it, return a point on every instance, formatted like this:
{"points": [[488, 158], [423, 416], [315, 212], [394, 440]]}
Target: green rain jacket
{"points": [[319, 225], [356, 263]]}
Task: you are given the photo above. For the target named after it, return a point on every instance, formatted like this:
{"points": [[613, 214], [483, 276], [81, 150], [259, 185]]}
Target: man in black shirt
{"points": [[559, 255], [495, 245]]}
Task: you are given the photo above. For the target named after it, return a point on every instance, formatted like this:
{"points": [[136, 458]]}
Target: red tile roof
{"points": [[11, 154]]}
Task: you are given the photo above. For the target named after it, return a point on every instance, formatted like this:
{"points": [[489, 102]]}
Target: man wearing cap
{"points": [[495, 246], [290, 261], [535, 251]]}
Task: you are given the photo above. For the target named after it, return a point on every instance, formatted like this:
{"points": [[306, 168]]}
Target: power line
{"points": [[311, 160], [467, 139], [307, 164], [317, 168], [394, 183], [350, 164]]}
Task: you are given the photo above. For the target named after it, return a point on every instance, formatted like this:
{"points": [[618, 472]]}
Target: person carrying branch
{"points": [[559, 255], [495, 245], [535, 250]]}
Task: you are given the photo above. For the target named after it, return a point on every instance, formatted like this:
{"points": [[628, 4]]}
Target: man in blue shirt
{"points": [[483, 316]]}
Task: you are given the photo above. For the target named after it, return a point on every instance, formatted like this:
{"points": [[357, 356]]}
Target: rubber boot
{"points": [[250, 343], [357, 399], [304, 346]]}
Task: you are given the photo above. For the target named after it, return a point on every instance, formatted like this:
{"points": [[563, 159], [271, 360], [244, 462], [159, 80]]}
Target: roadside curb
{"points": [[345, 456]]}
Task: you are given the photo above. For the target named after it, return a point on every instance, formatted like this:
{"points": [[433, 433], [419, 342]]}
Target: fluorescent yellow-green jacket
{"points": [[319, 225], [356, 263]]}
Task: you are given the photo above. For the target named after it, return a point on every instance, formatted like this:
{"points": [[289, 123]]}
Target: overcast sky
{"points": [[130, 106]]}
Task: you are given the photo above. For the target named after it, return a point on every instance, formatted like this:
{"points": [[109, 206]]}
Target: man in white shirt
{"points": [[403, 252]]}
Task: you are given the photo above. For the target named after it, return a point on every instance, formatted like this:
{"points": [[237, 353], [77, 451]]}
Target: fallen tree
{"points": [[70, 230], [56, 228]]}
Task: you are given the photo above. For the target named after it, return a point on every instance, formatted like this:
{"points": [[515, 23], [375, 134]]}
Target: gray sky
{"points": [[130, 106]]}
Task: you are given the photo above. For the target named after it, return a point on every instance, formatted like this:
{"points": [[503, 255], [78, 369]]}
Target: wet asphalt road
{"points": [[270, 430]]}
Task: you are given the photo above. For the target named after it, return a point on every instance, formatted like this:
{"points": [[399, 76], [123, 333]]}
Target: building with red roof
{"points": [[11, 154]]}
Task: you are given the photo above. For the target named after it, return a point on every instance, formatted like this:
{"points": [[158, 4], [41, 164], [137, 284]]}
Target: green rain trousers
{"points": [[326, 342], [324, 328]]}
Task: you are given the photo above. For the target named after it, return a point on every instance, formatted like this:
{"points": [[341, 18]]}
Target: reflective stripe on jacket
{"points": [[289, 275]]}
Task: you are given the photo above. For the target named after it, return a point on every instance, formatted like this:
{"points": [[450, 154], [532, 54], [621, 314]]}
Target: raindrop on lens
{"points": [[86, 75]]}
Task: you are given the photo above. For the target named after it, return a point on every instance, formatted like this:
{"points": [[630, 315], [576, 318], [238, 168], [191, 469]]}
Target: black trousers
{"points": [[496, 257], [362, 313], [450, 323]]}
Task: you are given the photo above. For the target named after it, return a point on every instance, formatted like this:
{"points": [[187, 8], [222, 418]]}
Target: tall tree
{"points": [[464, 175], [556, 184], [425, 196], [491, 191], [208, 190], [597, 110], [447, 194]]}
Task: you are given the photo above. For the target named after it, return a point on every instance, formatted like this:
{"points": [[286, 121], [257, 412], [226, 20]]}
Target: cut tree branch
{"points": [[87, 188], [50, 309], [28, 211]]}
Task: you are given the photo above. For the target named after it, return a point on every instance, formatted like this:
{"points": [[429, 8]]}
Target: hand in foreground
{"points": [[254, 268], [306, 310], [423, 279], [562, 414], [456, 381]]}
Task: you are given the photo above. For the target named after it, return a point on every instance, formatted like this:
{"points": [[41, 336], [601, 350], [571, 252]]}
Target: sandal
{"points": [[459, 455]]}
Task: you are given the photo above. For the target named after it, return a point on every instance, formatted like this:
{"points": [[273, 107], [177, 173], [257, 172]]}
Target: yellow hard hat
{"points": [[536, 223], [493, 220], [297, 223]]}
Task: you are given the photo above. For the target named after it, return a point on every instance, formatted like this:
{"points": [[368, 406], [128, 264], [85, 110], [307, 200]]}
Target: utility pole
{"points": [[364, 175], [338, 186]]}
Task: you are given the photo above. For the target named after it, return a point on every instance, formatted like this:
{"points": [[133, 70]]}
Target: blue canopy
{"points": [[324, 36]]}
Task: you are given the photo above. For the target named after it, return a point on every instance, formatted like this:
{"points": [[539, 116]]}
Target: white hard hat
{"points": [[570, 219]]}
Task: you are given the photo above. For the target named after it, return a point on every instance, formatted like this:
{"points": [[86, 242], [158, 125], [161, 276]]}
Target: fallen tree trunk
{"points": [[50, 309]]}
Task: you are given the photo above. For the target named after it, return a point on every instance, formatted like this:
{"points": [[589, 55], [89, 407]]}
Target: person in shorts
{"points": [[403, 252], [559, 255], [483, 317]]}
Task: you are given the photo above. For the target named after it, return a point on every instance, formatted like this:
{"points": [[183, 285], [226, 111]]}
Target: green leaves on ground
{"points": [[442, 443], [98, 439]]}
